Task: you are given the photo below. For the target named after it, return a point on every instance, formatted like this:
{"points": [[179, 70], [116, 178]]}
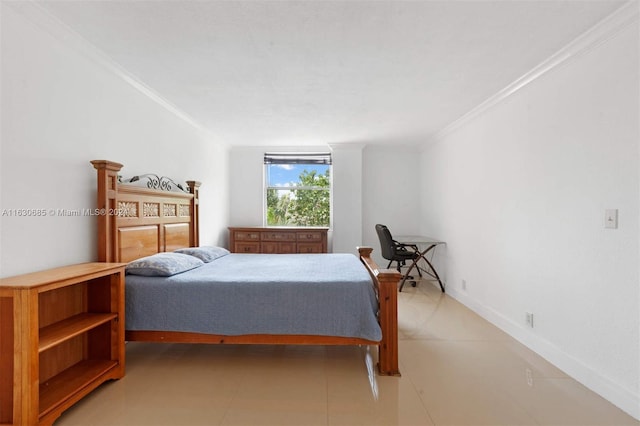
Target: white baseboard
{"points": [[623, 398]]}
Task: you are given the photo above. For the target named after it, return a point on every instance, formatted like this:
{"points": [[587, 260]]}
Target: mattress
{"points": [[327, 294]]}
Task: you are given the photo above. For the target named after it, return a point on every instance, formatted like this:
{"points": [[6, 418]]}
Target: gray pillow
{"points": [[206, 254], [163, 265]]}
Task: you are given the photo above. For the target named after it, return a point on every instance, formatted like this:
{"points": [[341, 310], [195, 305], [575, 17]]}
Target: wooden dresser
{"points": [[277, 240], [61, 336]]}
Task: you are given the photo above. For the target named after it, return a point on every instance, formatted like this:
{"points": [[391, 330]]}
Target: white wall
{"points": [[60, 109], [246, 177], [390, 193], [519, 194], [347, 197]]}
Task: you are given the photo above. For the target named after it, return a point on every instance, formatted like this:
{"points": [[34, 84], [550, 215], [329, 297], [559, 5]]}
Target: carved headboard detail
{"points": [[136, 221]]}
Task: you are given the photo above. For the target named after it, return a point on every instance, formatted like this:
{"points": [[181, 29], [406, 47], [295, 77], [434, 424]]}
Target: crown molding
{"points": [[47, 22], [606, 29]]}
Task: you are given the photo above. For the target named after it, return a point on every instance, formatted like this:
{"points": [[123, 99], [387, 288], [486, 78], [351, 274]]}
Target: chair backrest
{"points": [[387, 247]]}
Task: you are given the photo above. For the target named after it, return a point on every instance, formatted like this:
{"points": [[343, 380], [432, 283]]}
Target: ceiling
{"points": [[326, 72]]}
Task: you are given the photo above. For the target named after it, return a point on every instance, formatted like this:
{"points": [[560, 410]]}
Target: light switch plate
{"points": [[611, 218]]}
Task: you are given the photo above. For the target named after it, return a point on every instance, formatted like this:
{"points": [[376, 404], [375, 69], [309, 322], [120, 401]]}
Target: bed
{"points": [[311, 299]]}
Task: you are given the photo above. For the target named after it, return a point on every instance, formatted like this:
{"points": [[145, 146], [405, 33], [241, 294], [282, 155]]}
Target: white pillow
{"points": [[206, 254], [163, 265]]}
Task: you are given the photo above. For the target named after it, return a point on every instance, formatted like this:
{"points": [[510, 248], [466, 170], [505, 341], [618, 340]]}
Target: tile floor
{"points": [[457, 369]]}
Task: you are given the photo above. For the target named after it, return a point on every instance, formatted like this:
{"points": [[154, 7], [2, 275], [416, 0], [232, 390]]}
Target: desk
{"points": [[425, 245]]}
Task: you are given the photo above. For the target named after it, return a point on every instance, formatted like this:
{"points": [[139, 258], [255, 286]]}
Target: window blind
{"points": [[297, 158]]}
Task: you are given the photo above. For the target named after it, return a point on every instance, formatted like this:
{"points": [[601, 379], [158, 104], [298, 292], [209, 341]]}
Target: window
{"points": [[297, 189]]}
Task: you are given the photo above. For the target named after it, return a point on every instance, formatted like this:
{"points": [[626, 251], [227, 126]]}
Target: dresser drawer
{"points": [[310, 248], [246, 236], [272, 247], [309, 236], [278, 236], [246, 247]]}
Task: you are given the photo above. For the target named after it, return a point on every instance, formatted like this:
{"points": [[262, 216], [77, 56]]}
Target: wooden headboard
{"points": [[136, 221]]}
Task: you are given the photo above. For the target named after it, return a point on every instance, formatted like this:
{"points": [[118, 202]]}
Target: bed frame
{"points": [[136, 221]]}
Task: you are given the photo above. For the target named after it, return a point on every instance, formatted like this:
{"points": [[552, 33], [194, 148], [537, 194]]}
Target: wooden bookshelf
{"points": [[61, 336]]}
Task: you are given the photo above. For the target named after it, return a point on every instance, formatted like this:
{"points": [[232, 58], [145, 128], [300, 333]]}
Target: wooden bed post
{"points": [[387, 280], [107, 194], [194, 188]]}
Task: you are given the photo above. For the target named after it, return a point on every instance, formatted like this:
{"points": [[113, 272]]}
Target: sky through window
{"points": [[285, 174]]}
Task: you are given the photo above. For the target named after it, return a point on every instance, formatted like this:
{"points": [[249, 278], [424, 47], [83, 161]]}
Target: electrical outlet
{"points": [[529, 319], [464, 285]]}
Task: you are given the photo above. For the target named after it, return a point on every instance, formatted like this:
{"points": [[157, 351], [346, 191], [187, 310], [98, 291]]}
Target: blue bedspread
{"points": [[315, 294]]}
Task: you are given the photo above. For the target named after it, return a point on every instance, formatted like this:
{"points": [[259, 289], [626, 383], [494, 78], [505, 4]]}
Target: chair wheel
{"points": [[413, 283]]}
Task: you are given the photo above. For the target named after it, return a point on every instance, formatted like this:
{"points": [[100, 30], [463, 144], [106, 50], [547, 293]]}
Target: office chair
{"points": [[397, 252]]}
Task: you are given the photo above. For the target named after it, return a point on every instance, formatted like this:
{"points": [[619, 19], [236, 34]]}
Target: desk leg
{"points": [[414, 264], [434, 273], [404, 276]]}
